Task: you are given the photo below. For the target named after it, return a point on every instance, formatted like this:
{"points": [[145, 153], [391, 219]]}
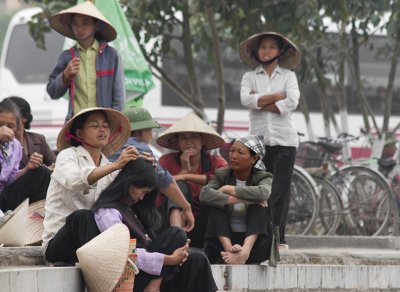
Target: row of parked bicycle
{"points": [[332, 198]]}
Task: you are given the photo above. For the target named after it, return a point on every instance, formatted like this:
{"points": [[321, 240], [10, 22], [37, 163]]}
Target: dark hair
{"points": [[278, 39], [139, 173], [79, 122], [8, 106], [24, 109]]}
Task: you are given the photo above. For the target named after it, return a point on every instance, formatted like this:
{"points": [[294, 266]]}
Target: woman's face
{"points": [[95, 131], [268, 49], [9, 120], [190, 142], [240, 157], [136, 194]]}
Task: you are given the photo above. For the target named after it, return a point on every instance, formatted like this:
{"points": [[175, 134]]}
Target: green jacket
{"points": [[257, 189]]}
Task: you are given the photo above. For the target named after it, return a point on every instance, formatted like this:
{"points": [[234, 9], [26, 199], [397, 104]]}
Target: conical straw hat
{"points": [[193, 124], [62, 21], [120, 130], [247, 50], [35, 223], [103, 259], [12, 233]]}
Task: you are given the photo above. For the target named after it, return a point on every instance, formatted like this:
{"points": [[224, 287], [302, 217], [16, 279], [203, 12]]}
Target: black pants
{"points": [[80, 227], [279, 160], [257, 222], [32, 185], [193, 276], [197, 234]]}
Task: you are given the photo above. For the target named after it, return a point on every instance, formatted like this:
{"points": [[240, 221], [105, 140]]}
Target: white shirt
{"points": [[277, 129], [69, 189]]}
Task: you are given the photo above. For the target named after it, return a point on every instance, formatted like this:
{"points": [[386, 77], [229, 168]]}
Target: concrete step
{"points": [[285, 278], [41, 279], [311, 264]]}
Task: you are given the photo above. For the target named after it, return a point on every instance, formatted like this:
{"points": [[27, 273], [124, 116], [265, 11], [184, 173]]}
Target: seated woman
{"points": [[239, 230], [31, 142], [191, 166], [82, 170], [17, 184], [165, 261]]}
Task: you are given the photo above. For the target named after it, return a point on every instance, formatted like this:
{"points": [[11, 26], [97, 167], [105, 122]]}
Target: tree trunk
{"points": [[219, 67], [197, 97], [340, 86], [392, 75]]}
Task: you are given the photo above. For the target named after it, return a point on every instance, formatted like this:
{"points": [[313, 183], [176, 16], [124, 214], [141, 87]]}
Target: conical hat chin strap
{"points": [[272, 60]]}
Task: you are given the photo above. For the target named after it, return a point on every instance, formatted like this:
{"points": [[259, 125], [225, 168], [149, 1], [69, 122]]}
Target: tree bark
{"points": [[219, 67]]}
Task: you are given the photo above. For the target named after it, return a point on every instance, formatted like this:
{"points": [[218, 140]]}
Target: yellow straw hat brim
{"points": [[62, 21], [12, 233], [291, 59], [193, 124], [35, 226], [120, 130], [103, 259]]}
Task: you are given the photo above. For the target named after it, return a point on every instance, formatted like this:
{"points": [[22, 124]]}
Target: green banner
{"points": [[138, 77]]}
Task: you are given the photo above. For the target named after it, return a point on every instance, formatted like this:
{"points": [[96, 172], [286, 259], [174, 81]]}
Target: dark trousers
{"points": [[194, 275], [80, 227], [32, 185], [197, 234], [257, 222], [279, 160]]}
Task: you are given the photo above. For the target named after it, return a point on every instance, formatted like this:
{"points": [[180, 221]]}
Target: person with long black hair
{"points": [[165, 261]]}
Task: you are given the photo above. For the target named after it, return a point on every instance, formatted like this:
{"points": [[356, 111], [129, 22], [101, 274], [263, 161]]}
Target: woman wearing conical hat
{"points": [[191, 166], [82, 169], [91, 70], [270, 92]]}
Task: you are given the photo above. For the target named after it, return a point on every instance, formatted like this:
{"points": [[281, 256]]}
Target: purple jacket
{"points": [[10, 163], [109, 79]]}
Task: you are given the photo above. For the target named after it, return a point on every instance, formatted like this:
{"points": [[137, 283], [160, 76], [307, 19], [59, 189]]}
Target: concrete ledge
{"points": [[341, 256], [307, 278], [41, 279], [21, 256], [377, 242], [237, 278]]}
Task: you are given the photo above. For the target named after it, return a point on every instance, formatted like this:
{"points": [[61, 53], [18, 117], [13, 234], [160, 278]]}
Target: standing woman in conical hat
{"points": [[91, 70], [270, 92]]}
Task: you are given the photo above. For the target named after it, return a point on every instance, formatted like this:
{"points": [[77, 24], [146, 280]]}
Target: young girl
{"points": [[191, 166], [130, 199]]}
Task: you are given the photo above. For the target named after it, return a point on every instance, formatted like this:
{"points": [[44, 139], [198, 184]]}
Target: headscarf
{"points": [[255, 143]]}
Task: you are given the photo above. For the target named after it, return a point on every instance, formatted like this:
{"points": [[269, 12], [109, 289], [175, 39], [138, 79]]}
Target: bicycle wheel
{"points": [[367, 201], [330, 208], [303, 206]]}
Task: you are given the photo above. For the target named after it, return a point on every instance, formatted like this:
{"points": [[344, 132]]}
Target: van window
{"points": [[27, 62]]}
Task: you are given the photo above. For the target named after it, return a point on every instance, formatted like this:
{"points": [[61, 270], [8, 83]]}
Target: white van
{"points": [[24, 71]]}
